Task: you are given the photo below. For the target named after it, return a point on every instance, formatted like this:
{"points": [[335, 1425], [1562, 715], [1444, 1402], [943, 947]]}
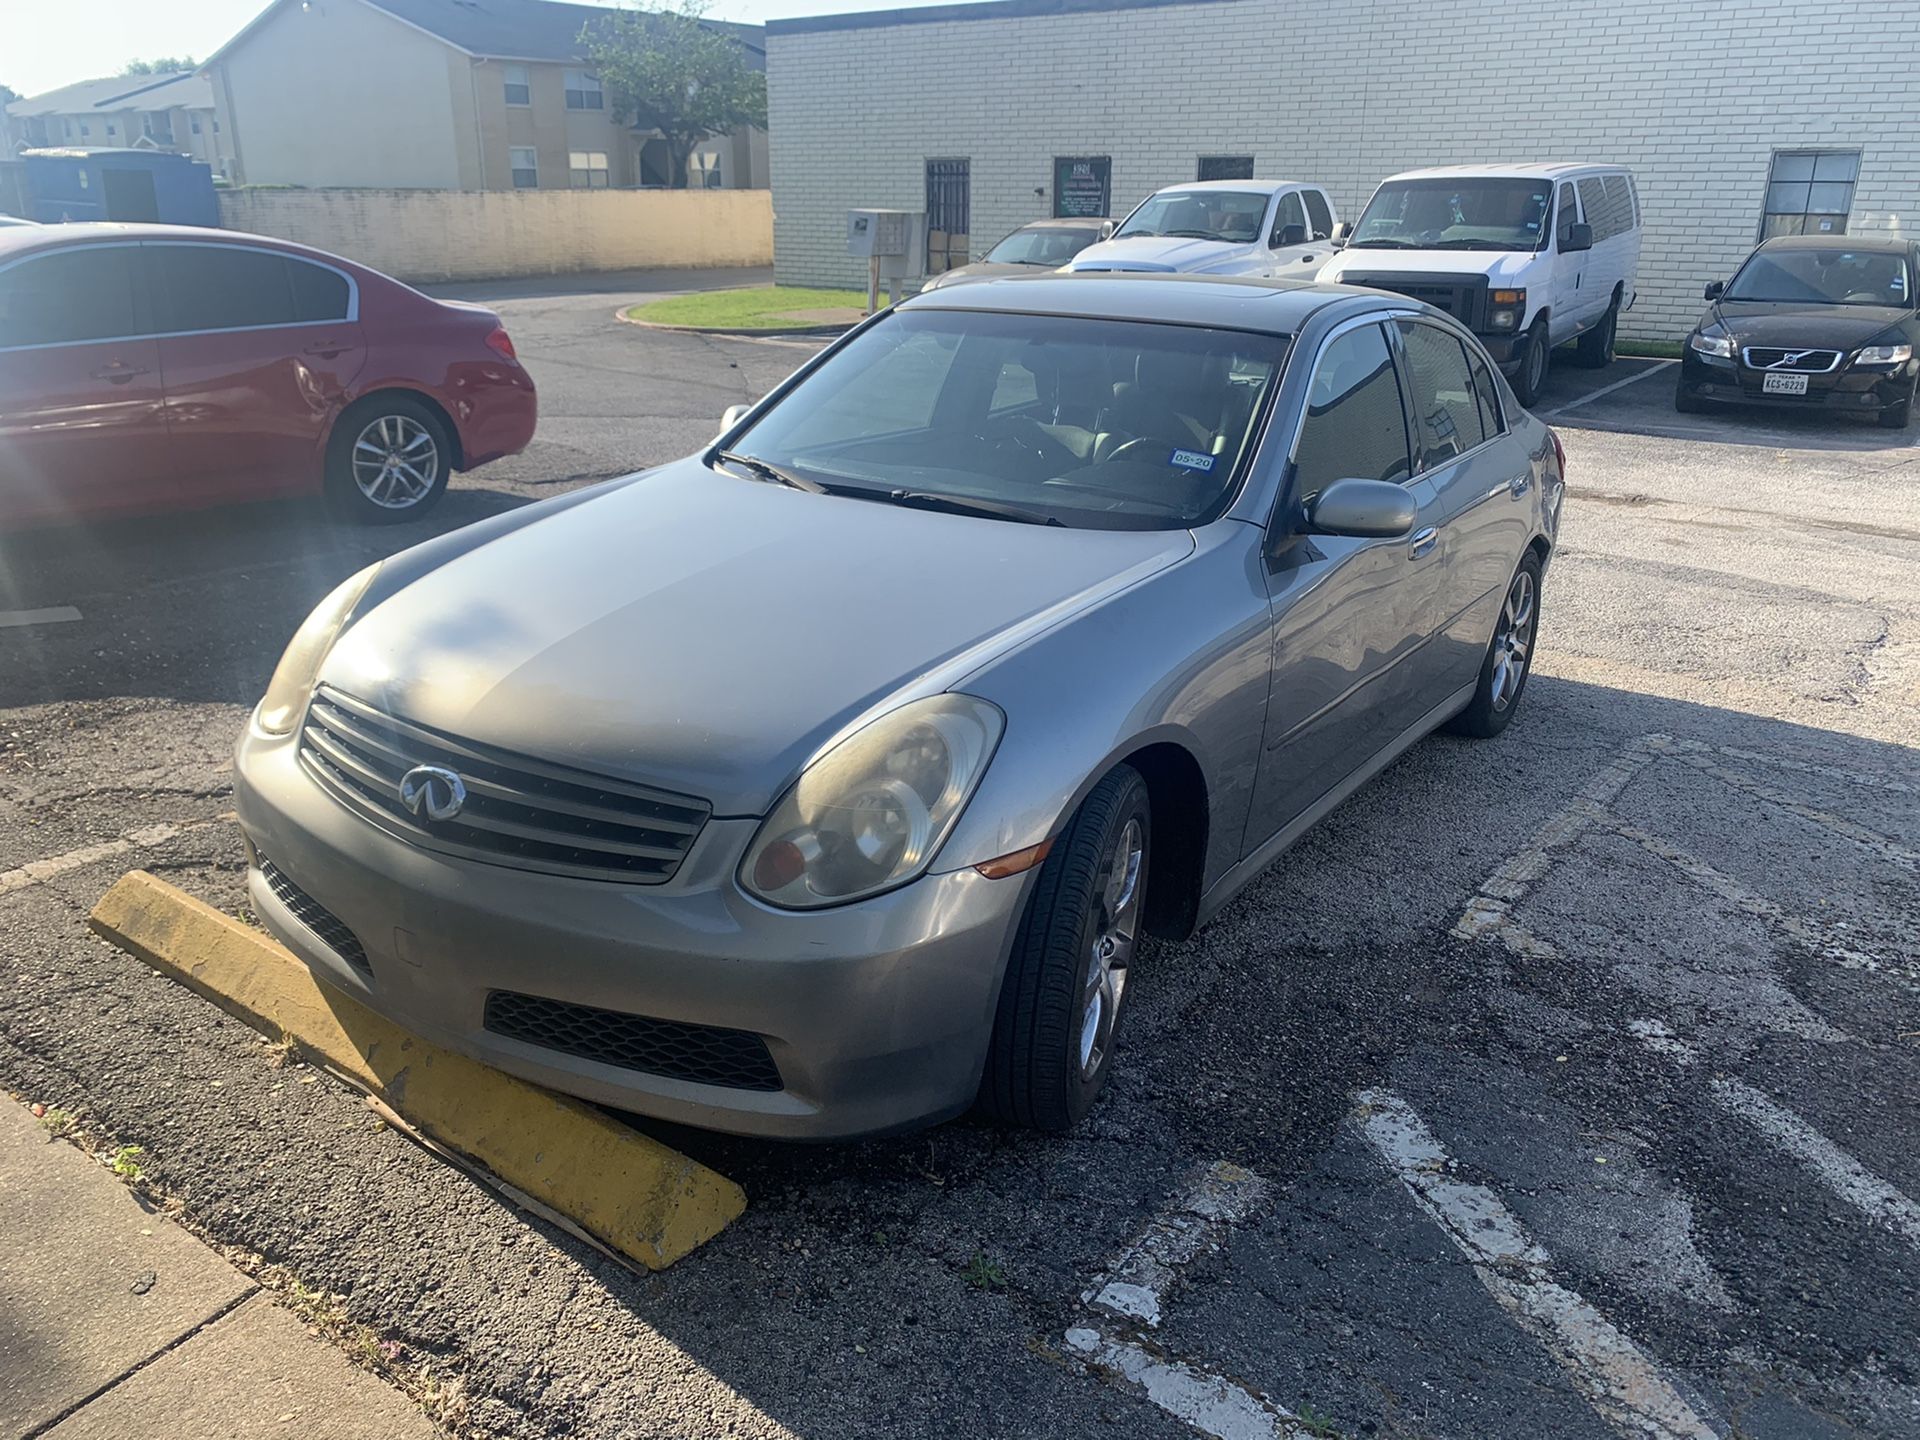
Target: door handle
{"points": [[117, 373], [325, 349], [1520, 484], [1422, 542]]}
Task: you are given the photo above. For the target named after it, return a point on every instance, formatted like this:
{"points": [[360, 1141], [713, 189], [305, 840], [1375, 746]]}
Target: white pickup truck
{"points": [[1222, 227]]}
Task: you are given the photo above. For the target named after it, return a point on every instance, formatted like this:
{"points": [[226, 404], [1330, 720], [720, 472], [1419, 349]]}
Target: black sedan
{"points": [[1812, 322]]}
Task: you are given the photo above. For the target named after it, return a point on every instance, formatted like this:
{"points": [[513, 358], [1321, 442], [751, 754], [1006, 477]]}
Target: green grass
{"points": [[1649, 349], [759, 308]]}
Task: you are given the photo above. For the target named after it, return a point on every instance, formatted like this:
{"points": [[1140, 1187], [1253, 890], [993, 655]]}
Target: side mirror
{"points": [[1576, 237], [732, 416], [1106, 229], [1342, 233], [1716, 289], [1365, 509], [1289, 235]]}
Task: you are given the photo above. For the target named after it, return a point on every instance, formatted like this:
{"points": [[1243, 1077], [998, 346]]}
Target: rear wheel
{"points": [[1595, 348], [388, 460], [1066, 980], [1509, 660], [1531, 377]]}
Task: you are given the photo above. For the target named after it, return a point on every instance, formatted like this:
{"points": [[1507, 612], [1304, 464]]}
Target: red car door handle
{"points": [[325, 349], [117, 373]]}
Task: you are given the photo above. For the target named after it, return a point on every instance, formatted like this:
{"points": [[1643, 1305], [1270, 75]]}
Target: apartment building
{"points": [[448, 95], [171, 111]]}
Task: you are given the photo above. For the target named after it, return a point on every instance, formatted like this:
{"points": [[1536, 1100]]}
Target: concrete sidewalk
{"points": [[114, 1322]]}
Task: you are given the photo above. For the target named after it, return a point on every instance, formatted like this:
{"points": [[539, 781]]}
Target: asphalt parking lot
{"points": [[1560, 1085]]}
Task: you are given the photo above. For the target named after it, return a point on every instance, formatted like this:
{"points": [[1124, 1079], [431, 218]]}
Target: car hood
{"points": [[1497, 265], [1163, 254], [710, 634], [1785, 323]]}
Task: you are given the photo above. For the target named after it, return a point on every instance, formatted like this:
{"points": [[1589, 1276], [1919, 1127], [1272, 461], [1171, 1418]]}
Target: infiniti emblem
{"points": [[432, 793]]}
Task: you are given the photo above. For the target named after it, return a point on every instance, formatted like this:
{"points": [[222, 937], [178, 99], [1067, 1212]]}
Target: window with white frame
{"points": [[193, 123], [519, 86], [1809, 192], [589, 169], [583, 91], [85, 130], [526, 167]]}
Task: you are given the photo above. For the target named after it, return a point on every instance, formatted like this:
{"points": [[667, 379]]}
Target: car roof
{"points": [[1066, 222], [1891, 243], [1278, 307], [1265, 187], [18, 239], [1546, 170]]}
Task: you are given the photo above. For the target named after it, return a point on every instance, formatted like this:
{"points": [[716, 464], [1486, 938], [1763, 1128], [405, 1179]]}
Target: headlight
{"points": [[1708, 343], [293, 677], [1509, 307], [870, 813], [1884, 355]]}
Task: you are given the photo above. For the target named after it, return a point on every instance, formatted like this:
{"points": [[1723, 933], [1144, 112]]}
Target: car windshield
{"points": [[1230, 215], [1455, 215], [1824, 277], [1101, 424], [1050, 245]]}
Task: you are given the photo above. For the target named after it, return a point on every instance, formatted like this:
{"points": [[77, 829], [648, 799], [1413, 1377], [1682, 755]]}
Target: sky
{"points": [[44, 46]]}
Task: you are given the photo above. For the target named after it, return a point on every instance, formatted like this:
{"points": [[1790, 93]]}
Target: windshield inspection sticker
{"points": [[1191, 460]]}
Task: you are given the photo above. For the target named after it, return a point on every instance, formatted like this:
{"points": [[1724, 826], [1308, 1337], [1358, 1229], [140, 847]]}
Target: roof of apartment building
{"points": [[180, 89], [501, 29]]}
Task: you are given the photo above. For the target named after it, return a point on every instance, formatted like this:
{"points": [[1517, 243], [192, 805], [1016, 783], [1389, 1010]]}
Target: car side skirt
{"points": [[1236, 879]]}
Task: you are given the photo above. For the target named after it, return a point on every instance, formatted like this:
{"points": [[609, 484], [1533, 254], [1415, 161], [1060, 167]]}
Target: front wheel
{"points": [[1066, 980], [1595, 348], [388, 461], [1531, 378], [1683, 398], [1509, 659], [1899, 417]]}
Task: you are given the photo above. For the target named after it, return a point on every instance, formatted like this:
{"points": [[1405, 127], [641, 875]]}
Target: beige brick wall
{"points": [[1693, 96], [470, 235]]}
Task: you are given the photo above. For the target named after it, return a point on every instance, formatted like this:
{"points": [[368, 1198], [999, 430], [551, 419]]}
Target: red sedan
{"points": [[149, 367]]}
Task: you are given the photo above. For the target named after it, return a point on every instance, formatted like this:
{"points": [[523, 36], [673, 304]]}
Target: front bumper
{"points": [[1846, 390], [877, 1015]]}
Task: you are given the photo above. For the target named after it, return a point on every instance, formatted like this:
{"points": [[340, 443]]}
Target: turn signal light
{"points": [[1019, 862], [1509, 297], [502, 344]]}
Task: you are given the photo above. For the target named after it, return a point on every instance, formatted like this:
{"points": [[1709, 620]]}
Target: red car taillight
{"points": [[502, 344], [1559, 451]]}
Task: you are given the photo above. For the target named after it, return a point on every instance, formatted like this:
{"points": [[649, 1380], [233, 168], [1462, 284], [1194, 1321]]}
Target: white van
{"points": [[1222, 227], [1527, 256]]}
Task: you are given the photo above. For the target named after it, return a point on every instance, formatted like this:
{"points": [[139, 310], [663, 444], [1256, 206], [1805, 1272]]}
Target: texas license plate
{"points": [[1784, 385]]}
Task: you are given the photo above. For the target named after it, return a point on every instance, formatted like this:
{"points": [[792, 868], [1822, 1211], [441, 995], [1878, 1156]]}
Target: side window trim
{"points": [[287, 257]]}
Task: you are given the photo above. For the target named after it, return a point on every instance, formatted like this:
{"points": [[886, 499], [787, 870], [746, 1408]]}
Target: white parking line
{"points": [[1787, 1132], [36, 871], [54, 615], [1606, 1367], [1135, 1286], [1787, 762], [1654, 369], [1210, 1404]]}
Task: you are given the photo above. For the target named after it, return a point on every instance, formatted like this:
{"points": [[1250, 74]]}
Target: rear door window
{"points": [[220, 287], [1442, 396], [1493, 421], [69, 297], [1355, 425], [319, 294]]}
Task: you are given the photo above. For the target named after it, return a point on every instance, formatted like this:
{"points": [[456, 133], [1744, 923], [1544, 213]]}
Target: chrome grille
{"points": [[520, 812], [1803, 362]]}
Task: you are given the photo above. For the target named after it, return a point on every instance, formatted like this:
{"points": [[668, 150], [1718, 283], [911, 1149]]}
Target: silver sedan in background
{"points": [[824, 782]]}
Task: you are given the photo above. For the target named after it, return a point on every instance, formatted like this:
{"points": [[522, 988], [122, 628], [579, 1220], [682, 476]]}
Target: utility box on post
{"points": [[894, 245]]}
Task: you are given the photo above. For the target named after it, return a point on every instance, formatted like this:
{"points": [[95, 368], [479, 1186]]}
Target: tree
{"points": [[7, 96], [164, 66], [666, 69]]}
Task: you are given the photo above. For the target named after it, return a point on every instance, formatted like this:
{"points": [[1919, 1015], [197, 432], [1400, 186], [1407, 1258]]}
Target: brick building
{"points": [[1738, 117]]}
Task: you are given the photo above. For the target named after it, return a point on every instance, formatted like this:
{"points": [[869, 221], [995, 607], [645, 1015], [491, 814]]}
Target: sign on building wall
{"points": [[1082, 186]]}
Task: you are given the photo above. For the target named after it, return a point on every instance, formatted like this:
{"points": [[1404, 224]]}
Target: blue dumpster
{"points": [[97, 183]]}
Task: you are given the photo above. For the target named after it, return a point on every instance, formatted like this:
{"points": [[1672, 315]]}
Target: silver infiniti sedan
{"points": [[824, 782]]}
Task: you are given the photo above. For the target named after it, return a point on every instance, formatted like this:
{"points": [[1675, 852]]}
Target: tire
{"points": [[1595, 348], [1497, 696], [1899, 417], [1531, 377], [1052, 1049], [1683, 399], [364, 486]]}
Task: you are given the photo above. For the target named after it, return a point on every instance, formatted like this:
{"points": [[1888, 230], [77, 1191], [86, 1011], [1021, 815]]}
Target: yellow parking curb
{"points": [[645, 1201]]}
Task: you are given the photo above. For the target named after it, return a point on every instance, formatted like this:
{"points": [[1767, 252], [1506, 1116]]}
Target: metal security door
{"points": [[948, 222]]}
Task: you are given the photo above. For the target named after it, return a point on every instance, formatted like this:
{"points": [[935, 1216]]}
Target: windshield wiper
{"points": [[1195, 234], [1380, 245], [956, 505], [772, 473]]}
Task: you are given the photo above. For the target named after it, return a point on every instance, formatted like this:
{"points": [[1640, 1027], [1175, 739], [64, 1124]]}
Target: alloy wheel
{"points": [[1513, 641], [395, 462], [1116, 929]]}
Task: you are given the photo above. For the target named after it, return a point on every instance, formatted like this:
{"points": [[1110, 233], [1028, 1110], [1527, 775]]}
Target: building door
{"points": [[130, 196], [949, 225]]}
